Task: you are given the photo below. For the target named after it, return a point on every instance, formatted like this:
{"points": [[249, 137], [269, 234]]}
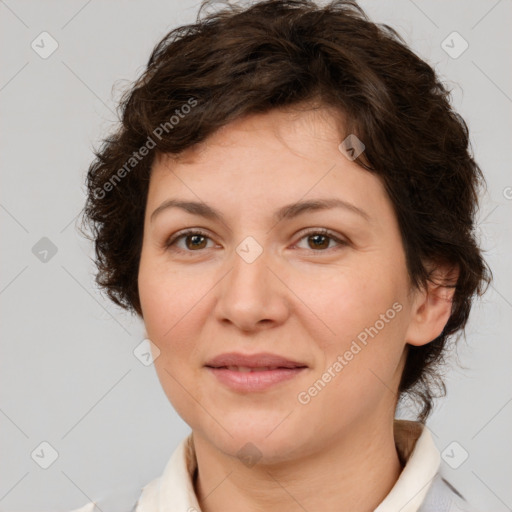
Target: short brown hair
{"points": [[279, 54]]}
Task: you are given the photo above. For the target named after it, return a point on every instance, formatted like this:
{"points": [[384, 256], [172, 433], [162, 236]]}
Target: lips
{"points": [[250, 373], [253, 362], [247, 369]]}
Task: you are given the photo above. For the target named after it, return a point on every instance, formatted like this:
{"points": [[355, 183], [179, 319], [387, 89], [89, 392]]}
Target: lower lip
{"points": [[254, 381]]}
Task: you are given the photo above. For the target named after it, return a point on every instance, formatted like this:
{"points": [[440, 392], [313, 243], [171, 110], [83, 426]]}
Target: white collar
{"points": [[174, 489]]}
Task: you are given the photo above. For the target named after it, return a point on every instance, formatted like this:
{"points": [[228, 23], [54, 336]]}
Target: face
{"points": [[325, 287]]}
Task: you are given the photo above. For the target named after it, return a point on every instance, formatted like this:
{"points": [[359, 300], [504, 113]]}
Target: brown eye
{"points": [[320, 239], [194, 241]]}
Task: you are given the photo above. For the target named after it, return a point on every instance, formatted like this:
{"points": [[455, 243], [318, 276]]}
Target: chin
{"points": [[266, 441]]}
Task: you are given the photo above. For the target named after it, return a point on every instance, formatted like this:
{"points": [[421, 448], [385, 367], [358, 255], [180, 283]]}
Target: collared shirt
{"points": [[421, 487]]}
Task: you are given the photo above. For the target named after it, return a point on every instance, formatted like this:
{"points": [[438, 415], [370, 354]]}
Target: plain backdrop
{"points": [[69, 376]]}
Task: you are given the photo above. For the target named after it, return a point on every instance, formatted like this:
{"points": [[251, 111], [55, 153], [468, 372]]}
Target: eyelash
{"points": [[183, 234]]}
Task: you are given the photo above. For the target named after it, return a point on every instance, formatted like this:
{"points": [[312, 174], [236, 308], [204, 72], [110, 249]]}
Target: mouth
{"points": [[243, 379], [245, 373], [249, 369], [253, 362]]}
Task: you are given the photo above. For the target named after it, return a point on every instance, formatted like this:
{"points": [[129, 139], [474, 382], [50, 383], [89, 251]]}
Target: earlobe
{"points": [[432, 307]]}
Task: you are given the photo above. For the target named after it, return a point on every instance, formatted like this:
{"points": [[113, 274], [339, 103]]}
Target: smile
{"points": [[248, 379]]}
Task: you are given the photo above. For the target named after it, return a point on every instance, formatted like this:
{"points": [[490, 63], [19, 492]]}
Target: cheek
{"points": [[349, 299], [174, 308], [164, 297], [170, 307], [363, 311]]}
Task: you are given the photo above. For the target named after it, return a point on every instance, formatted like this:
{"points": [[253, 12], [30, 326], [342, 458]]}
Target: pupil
{"points": [[316, 237], [194, 239]]}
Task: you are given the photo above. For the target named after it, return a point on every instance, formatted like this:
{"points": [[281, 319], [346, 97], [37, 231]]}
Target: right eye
{"points": [[194, 241]]}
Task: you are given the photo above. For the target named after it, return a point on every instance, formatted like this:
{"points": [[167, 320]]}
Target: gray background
{"points": [[68, 373]]}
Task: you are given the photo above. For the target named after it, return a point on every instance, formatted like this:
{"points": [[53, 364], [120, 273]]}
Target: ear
{"points": [[432, 306]]}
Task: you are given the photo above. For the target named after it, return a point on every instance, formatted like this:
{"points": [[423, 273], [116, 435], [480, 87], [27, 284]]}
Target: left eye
{"points": [[321, 239], [195, 239]]}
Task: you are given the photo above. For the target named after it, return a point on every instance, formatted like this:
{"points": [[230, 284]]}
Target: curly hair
{"points": [[279, 54]]}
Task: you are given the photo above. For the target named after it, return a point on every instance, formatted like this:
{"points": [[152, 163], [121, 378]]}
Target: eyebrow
{"points": [[286, 212]]}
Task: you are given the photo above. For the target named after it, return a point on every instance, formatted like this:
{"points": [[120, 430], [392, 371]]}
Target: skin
{"points": [[303, 301]]}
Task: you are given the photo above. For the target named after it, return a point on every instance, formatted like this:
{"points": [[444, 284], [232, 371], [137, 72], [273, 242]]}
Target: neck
{"points": [[351, 472]]}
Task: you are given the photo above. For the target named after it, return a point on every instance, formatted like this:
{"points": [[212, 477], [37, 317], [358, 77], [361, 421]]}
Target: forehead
{"points": [[268, 160], [296, 128]]}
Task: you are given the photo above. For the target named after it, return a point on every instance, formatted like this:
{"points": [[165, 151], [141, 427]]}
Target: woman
{"points": [[289, 208]]}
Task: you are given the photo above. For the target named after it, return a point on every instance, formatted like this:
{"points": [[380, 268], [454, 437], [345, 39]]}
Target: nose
{"points": [[253, 295]]}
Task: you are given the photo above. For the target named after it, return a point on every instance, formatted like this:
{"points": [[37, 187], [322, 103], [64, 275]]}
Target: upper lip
{"points": [[253, 361]]}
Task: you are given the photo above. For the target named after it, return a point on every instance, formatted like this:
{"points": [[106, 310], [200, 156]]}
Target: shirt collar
{"points": [[416, 447], [174, 489]]}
